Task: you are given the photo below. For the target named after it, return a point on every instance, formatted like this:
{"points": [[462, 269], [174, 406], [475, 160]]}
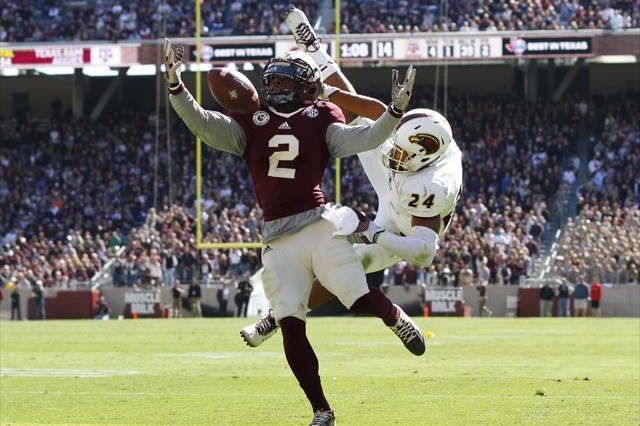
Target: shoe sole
{"points": [[246, 340], [418, 351]]}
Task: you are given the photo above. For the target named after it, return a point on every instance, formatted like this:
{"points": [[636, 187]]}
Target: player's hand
{"points": [[367, 231], [172, 64], [401, 93]]}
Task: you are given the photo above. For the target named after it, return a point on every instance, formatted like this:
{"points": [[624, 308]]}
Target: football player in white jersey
{"points": [[417, 176]]}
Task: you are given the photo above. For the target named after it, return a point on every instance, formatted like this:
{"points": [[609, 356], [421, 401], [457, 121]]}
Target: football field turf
{"points": [[477, 371]]}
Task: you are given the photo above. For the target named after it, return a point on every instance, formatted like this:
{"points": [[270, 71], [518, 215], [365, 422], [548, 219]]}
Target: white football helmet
{"points": [[421, 139]]}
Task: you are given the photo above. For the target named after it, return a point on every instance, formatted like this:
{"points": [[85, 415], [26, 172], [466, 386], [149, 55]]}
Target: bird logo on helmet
{"points": [[298, 67], [420, 139]]}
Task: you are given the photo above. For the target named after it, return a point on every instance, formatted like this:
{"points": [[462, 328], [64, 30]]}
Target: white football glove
{"points": [[367, 231], [401, 93], [172, 64]]}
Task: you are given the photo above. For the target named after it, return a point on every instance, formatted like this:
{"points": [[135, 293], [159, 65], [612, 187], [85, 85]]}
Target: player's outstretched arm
{"points": [[339, 91], [358, 105], [349, 140], [419, 248], [215, 129]]}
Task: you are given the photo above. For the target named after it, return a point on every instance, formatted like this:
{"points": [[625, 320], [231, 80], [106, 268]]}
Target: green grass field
{"points": [[488, 371]]}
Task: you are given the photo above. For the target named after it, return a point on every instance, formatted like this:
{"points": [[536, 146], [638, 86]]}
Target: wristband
{"points": [[394, 111], [329, 90], [176, 89]]}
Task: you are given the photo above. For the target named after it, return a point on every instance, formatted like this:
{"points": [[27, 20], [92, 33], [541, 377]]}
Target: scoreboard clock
{"points": [[367, 49]]}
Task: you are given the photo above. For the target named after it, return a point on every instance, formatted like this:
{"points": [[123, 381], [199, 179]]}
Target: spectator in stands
{"points": [[118, 271], [504, 270], [15, 304], [222, 295], [102, 310], [243, 295], [131, 270], [580, 297], [483, 294], [422, 297], [445, 276], [484, 273], [206, 270], [39, 308], [410, 274], [564, 293], [194, 294], [596, 296], [188, 262], [176, 299], [235, 256], [154, 266], [169, 263], [466, 277], [147, 281], [546, 294], [431, 276]]}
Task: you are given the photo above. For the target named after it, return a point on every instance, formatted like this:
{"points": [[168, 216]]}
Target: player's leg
{"points": [[260, 331], [308, 41], [338, 267], [287, 278], [319, 295], [373, 258]]}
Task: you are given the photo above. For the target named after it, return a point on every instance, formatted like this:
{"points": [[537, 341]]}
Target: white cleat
{"points": [[409, 333], [259, 332], [302, 31]]}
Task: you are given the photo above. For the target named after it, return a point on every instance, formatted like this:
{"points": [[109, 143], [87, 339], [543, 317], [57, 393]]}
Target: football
{"points": [[233, 90]]}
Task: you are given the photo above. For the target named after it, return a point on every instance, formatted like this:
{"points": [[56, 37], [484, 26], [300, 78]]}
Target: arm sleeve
{"points": [[419, 248], [217, 130], [344, 140], [374, 257]]}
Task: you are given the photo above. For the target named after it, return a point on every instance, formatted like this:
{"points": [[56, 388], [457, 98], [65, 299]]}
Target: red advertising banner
{"points": [[51, 55]]}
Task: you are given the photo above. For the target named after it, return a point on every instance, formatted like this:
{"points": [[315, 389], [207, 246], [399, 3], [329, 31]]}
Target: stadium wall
{"points": [[617, 301]]}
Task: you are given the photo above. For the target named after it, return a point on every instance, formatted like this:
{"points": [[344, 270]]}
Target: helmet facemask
{"points": [[301, 69], [419, 141]]}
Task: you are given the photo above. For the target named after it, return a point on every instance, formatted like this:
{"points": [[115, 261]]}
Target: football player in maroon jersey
{"points": [[287, 145]]}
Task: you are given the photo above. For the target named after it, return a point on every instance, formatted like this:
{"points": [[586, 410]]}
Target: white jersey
{"points": [[427, 193], [431, 192]]}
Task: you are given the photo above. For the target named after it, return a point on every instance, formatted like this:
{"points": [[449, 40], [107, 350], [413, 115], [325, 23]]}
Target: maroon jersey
{"points": [[287, 156]]}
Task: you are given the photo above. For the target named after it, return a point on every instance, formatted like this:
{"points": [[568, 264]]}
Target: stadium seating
{"points": [[63, 230], [82, 20]]}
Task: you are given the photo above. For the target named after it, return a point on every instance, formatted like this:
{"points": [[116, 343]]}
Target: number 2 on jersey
{"points": [[293, 149]]}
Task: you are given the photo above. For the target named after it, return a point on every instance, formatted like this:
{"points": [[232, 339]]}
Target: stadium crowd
{"points": [[113, 20], [608, 224], [78, 195]]}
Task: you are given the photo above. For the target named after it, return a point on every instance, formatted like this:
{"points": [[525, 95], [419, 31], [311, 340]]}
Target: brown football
{"points": [[233, 90]]}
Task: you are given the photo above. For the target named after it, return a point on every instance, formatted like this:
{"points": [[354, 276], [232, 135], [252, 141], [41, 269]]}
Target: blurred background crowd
{"points": [[78, 196], [82, 197], [114, 20]]}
